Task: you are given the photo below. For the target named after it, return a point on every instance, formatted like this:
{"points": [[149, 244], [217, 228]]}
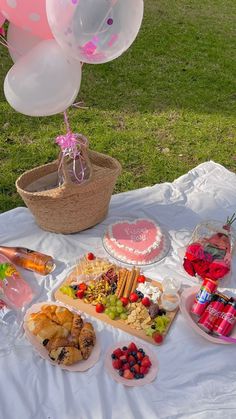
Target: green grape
{"points": [[113, 299], [123, 316], [120, 310], [107, 311], [113, 310], [112, 316], [104, 301], [119, 303], [149, 331]]}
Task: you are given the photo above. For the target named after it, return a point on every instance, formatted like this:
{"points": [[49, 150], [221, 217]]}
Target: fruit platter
{"points": [[131, 365], [123, 298]]}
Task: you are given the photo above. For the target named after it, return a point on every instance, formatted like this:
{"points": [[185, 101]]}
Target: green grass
{"points": [[165, 106]]}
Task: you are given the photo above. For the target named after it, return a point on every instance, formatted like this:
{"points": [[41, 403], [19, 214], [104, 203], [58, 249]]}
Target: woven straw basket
{"points": [[72, 207]]}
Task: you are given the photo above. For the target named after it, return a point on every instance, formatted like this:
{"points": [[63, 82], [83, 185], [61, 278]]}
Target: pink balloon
{"points": [[27, 14], [2, 19]]}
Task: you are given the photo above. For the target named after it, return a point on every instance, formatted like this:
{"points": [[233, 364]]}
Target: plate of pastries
{"points": [[62, 336]]}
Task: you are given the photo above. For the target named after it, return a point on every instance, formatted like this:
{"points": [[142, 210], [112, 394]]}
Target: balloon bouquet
{"points": [[49, 39]]}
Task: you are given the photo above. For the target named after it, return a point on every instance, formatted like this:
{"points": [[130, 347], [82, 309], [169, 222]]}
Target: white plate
{"points": [[42, 351], [151, 375]]}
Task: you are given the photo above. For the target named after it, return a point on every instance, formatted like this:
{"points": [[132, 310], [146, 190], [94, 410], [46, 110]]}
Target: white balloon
{"points": [[44, 81], [95, 31], [20, 42]]}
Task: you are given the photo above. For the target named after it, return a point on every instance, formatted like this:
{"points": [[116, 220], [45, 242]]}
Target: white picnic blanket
{"points": [[196, 379]]}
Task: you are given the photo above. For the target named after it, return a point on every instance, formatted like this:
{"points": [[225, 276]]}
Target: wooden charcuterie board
{"points": [[89, 309]]}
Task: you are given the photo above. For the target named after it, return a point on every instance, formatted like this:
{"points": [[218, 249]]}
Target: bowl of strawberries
{"points": [[131, 364]]}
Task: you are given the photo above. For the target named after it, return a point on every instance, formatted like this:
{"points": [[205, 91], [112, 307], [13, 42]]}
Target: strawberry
{"points": [[128, 375], [136, 367], [139, 356], [124, 301], [90, 256], [82, 286], [157, 337], [80, 294], [116, 363], [125, 366], [141, 279], [146, 362], [131, 358], [133, 297], [132, 347], [146, 302], [144, 370], [118, 352], [123, 357], [100, 308]]}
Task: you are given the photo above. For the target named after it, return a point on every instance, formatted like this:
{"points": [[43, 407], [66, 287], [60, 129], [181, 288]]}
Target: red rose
{"points": [[188, 266], [218, 269], [201, 267], [194, 251]]}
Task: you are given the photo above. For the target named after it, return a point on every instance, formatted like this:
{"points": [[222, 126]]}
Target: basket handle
{"points": [[84, 153]]}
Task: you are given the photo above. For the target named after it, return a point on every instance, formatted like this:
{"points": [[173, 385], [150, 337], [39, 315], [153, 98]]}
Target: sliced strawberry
{"points": [[144, 370], [83, 286], [125, 366], [140, 356], [136, 367], [90, 256], [133, 297], [132, 347], [118, 352], [146, 362], [141, 279], [146, 302], [124, 301], [123, 357], [157, 337], [131, 358], [128, 375], [116, 363], [80, 294], [100, 308]]}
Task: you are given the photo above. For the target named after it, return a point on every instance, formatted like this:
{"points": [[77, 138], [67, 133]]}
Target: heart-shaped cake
{"points": [[138, 242]]}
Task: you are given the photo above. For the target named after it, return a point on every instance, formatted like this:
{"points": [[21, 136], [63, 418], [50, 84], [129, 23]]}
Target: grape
{"points": [[123, 316], [113, 309], [119, 303], [107, 311], [112, 316], [120, 310], [113, 299], [104, 301]]}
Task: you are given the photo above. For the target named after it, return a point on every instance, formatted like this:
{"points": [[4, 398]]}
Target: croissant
{"points": [[44, 328], [66, 355], [87, 340], [64, 317], [76, 328], [50, 311], [55, 343]]}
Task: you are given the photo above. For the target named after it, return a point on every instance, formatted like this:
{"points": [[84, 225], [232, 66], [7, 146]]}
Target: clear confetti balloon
{"points": [[95, 31]]}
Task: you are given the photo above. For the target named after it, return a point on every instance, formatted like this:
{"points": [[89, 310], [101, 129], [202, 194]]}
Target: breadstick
{"points": [[137, 273], [123, 285], [120, 281], [128, 284]]}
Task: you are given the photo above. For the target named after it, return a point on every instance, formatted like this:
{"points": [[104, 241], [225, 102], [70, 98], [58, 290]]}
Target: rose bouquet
{"points": [[210, 251]]}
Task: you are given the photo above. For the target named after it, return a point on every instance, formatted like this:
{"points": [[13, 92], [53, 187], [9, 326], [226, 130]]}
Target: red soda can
{"points": [[203, 297], [212, 312], [226, 321]]}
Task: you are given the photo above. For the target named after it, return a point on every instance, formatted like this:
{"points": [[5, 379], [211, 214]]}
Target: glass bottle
{"points": [[29, 259]]}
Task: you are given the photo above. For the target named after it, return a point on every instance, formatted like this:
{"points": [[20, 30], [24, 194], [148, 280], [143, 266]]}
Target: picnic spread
{"points": [[95, 338]]}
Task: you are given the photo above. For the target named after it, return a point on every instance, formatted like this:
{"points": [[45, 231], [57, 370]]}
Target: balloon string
{"points": [[6, 44]]}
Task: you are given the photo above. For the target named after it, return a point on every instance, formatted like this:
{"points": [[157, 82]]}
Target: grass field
{"points": [[165, 106]]}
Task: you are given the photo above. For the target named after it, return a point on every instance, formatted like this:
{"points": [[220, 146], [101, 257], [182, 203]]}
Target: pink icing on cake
{"points": [[139, 242]]}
